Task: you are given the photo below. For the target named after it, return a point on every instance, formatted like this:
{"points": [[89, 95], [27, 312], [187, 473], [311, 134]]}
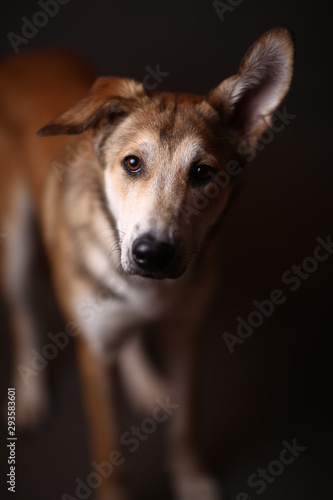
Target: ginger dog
{"points": [[124, 219]]}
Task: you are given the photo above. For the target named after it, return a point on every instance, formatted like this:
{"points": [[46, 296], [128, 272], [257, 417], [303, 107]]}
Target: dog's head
{"points": [[168, 158]]}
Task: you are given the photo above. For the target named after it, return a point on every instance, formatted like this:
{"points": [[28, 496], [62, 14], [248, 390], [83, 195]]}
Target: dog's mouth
{"points": [[170, 275]]}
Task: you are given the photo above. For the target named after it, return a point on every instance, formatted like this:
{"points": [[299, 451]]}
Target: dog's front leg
{"points": [[190, 480], [98, 380]]}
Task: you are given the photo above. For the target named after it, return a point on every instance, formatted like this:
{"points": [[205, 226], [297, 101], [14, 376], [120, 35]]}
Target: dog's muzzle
{"points": [[152, 256]]}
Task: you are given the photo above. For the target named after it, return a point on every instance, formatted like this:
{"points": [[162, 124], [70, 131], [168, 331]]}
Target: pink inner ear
{"points": [[256, 102], [251, 96]]}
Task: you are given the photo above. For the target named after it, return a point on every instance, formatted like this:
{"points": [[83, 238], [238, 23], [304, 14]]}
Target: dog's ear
{"points": [[248, 99], [109, 96]]}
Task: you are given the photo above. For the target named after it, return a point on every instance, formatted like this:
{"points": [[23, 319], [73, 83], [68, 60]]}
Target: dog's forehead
{"points": [[167, 128], [177, 115], [176, 121]]}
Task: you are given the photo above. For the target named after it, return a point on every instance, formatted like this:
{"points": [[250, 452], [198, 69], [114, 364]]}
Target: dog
{"points": [[128, 210]]}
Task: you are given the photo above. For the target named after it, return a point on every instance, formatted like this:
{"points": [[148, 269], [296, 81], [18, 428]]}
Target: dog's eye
{"points": [[201, 173], [132, 164]]}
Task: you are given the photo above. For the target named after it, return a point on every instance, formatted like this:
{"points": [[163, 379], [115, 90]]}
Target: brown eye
{"points": [[201, 173], [132, 164]]}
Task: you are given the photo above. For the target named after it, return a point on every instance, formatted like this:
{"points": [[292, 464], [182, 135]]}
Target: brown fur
{"points": [[90, 217]]}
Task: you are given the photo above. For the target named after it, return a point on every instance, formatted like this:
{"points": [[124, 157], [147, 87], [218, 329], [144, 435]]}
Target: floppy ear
{"points": [[109, 96], [248, 99]]}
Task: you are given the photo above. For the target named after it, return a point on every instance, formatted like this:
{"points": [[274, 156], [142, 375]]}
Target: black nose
{"points": [[152, 255]]}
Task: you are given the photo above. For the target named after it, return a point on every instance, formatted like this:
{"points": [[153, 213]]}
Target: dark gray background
{"points": [[278, 384]]}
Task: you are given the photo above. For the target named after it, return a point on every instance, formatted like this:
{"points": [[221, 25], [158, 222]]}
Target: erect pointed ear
{"points": [[109, 96], [248, 99]]}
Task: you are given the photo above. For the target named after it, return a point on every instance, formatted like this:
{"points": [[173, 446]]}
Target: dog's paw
{"points": [[200, 487], [32, 402]]}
